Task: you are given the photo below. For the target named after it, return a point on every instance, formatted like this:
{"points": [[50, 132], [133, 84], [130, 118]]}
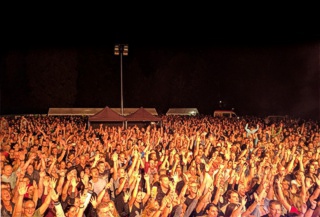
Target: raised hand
{"points": [[126, 196], [34, 184], [175, 177], [74, 182], [93, 201], [22, 189], [115, 157], [52, 183]]}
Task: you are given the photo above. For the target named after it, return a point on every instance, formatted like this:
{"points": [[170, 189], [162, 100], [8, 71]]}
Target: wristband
{"points": [[81, 207], [56, 203], [312, 209]]}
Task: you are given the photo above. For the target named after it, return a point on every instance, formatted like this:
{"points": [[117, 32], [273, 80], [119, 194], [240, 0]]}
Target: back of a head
{"points": [[229, 209]]}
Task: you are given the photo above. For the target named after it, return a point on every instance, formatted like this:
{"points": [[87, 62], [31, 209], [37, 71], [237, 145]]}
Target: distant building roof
{"points": [[182, 111]]}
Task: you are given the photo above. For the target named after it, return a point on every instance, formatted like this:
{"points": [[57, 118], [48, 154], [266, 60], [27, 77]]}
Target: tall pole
{"points": [[122, 50], [121, 82]]}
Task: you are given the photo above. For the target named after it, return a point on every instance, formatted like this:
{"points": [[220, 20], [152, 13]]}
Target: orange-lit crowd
{"points": [[183, 166]]}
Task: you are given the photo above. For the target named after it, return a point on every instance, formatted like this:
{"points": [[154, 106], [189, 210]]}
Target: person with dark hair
{"points": [[230, 208], [274, 209], [211, 210]]}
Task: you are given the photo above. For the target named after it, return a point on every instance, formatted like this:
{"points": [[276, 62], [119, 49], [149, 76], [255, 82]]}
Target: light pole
{"points": [[122, 50]]}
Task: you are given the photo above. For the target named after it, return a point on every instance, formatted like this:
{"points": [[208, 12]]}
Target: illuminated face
{"points": [[234, 198], [193, 171], [94, 173], [7, 170], [29, 208], [122, 172], [111, 206], [30, 191], [72, 212], [140, 196], [104, 211], [275, 210], [212, 212], [5, 194], [62, 165], [285, 185], [312, 169], [101, 167], [193, 187], [30, 169], [165, 182]]}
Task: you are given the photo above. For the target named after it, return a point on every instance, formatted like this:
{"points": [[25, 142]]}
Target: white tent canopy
{"points": [[92, 111], [73, 111], [182, 111], [128, 111]]}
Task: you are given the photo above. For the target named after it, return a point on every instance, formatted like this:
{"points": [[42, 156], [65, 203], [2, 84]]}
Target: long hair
{"points": [[150, 209], [230, 208]]}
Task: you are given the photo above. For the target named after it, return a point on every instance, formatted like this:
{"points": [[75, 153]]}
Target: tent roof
{"points": [[128, 111], [105, 115], [92, 111], [182, 111], [142, 115], [73, 111]]}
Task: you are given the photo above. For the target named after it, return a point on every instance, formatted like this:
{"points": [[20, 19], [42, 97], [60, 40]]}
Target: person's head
{"points": [[29, 208], [71, 156], [286, 184], [69, 165], [7, 170], [121, 172], [5, 194], [193, 187], [122, 157], [101, 166], [281, 170], [106, 197], [5, 185], [274, 208], [77, 160], [153, 156], [140, 196], [82, 160], [30, 169], [312, 169], [233, 196], [152, 206], [179, 169], [26, 180], [71, 211], [112, 208], [54, 151], [198, 159], [30, 191], [62, 165], [164, 181], [152, 164], [103, 210], [315, 164], [230, 208], [94, 172]]}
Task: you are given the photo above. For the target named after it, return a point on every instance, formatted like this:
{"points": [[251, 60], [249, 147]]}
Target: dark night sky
{"points": [[256, 71]]}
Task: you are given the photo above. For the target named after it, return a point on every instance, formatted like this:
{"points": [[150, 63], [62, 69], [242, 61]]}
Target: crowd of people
{"points": [[185, 166]]}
